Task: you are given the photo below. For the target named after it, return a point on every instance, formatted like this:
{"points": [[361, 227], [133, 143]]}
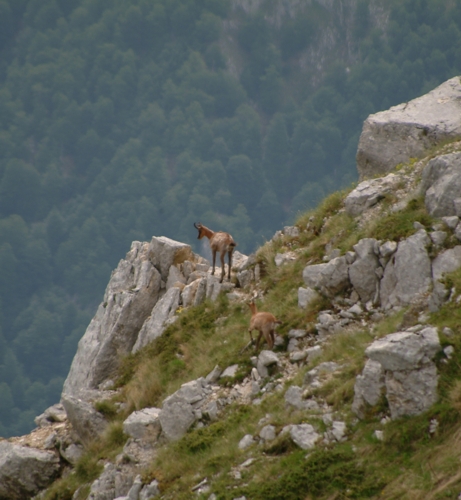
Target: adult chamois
{"points": [[265, 323], [219, 242]]}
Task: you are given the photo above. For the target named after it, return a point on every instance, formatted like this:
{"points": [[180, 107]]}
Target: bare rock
{"points": [[441, 183], [408, 273], [132, 291], [362, 273], [88, 423], [143, 424], [368, 193], [155, 325], [24, 471], [409, 130], [331, 278]]}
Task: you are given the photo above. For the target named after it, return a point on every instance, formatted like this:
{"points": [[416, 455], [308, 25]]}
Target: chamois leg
{"points": [[214, 262], [223, 271], [268, 336], [258, 340], [230, 264]]}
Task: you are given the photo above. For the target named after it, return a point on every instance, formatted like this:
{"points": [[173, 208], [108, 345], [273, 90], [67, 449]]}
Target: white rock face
{"points": [[402, 351], [304, 436], [369, 387], [362, 273], [25, 471], [129, 298], [88, 423], [408, 273], [410, 375], [368, 193], [330, 278], [143, 424], [155, 325], [132, 293], [409, 129], [441, 183]]}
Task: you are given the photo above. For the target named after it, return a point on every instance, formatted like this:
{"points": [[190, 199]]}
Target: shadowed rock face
{"points": [[25, 471], [409, 130]]}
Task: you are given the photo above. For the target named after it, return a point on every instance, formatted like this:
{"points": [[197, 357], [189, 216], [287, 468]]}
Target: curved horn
{"points": [[195, 225]]}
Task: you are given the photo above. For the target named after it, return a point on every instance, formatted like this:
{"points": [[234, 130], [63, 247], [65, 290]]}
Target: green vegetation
{"points": [[120, 120], [410, 462]]}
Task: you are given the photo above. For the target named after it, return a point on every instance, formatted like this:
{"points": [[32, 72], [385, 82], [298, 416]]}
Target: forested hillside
{"points": [[123, 119]]}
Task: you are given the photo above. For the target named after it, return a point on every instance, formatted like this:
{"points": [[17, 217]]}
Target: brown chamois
{"points": [[219, 242], [265, 323]]}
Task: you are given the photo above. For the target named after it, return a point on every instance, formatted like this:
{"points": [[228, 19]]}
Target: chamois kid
{"points": [[265, 323], [219, 242]]}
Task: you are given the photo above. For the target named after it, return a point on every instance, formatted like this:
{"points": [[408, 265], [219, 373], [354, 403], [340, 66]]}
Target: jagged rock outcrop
{"points": [[408, 272], [132, 292], [25, 471], [402, 364], [409, 130], [441, 185]]}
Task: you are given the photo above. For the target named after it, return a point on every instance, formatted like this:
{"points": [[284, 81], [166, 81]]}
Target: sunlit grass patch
{"points": [[399, 225]]}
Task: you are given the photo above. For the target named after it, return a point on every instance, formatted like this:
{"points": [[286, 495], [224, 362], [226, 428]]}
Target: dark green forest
{"points": [[122, 119]]}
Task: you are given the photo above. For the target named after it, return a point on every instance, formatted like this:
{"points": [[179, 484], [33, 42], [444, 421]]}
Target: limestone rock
{"points": [[304, 436], [143, 424], [155, 325], [441, 183], [362, 273], [330, 278], [165, 252], [411, 392], [86, 421], [409, 129], [402, 351], [129, 298], [306, 296], [176, 419], [24, 471], [369, 387], [103, 488], [446, 262], [368, 193], [408, 272]]}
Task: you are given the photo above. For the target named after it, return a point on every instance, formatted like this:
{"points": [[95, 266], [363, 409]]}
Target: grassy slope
{"points": [[409, 463]]}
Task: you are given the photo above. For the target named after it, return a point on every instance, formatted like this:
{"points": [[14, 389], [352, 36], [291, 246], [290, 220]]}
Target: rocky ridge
{"points": [[374, 279]]}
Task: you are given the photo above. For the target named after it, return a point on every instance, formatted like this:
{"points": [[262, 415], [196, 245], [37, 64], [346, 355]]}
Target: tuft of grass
{"points": [[107, 408], [399, 225], [321, 474]]}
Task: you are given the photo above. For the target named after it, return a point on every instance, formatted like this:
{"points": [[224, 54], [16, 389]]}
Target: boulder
{"points": [[441, 183], [24, 471], [165, 252], [176, 419], [402, 351], [304, 436], [132, 291], [294, 397], [86, 421], [155, 325], [446, 262], [362, 273], [143, 424], [103, 488], [306, 297], [410, 375], [331, 278], [411, 392], [368, 193], [408, 273], [369, 387], [55, 413], [409, 130]]}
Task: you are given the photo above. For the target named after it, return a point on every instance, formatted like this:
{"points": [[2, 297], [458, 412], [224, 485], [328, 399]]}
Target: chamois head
{"points": [[199, 226]]}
